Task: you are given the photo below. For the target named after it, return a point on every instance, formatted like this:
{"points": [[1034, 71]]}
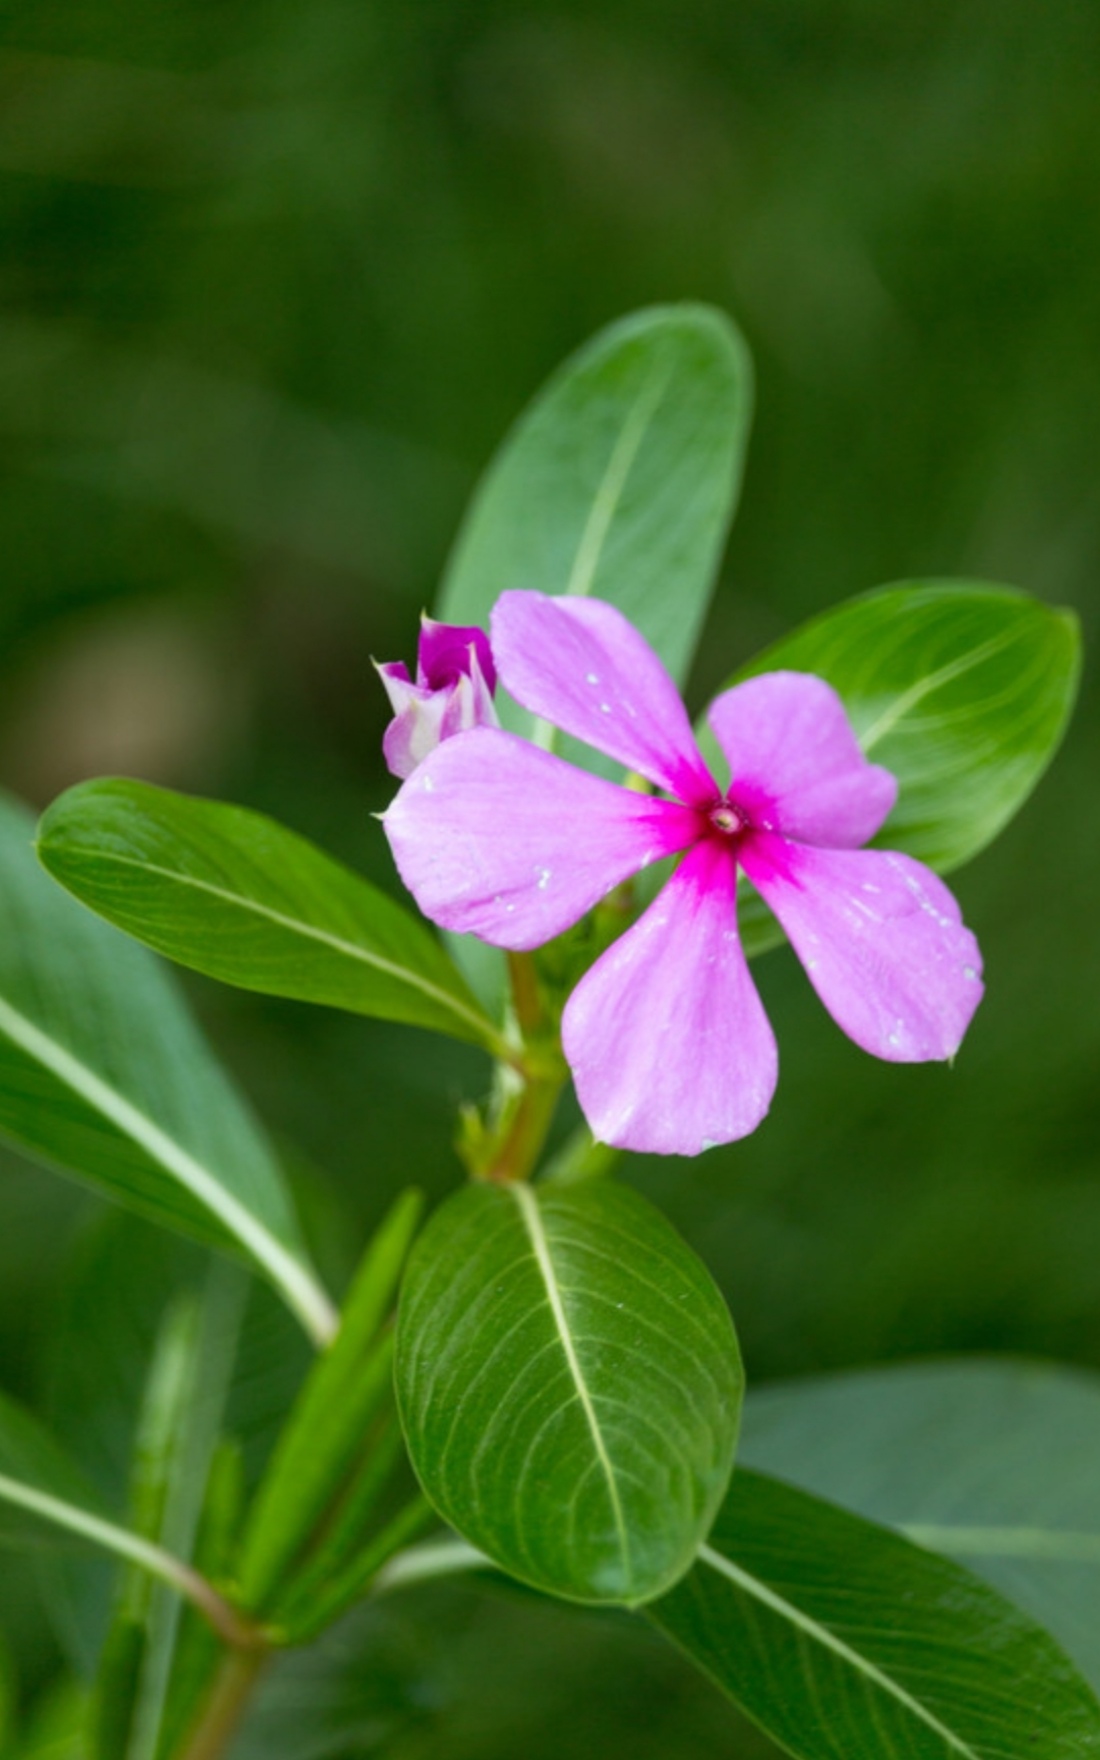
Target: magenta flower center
{"points": [[727, 820]]}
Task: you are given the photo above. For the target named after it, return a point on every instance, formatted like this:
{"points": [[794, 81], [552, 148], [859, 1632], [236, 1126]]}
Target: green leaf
{"points": [[184, 1400], [232, 894], [996, 1463], [570, 1385], [9, 1699], [619, 481], [962, 690], [845, 1642], [103, 1076], [37, 1481], [164, 1411], [347, 1387], [30, 1456]]}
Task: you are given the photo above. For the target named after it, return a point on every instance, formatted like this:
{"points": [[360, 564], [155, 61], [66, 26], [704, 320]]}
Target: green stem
{"points": [[518, 1149], [521, 1129], [220, 1717]]}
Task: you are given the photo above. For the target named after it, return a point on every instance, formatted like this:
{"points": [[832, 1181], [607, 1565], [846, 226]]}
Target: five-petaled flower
{"points": [[666, 1036], [455, 681]]}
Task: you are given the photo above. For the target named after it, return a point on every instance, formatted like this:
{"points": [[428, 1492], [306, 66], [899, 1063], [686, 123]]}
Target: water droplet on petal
{"points": [[593, 678]]}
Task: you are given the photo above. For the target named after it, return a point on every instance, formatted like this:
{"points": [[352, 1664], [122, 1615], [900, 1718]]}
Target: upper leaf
{"points": [[103, 1075], [232, 894], [619, 481], [994, 1463], [846, 1642], [962, 690], [570, 1386]]}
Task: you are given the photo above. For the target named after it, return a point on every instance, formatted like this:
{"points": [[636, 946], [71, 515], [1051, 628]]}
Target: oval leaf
{"points": [[103, 1075], [962, 690], [570, 1385], [996, 1464], [232, 894], [840, 1638], [619, 481]]}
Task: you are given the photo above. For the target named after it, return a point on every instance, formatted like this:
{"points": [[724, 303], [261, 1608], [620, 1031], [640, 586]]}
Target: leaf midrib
{"points": [[619, 464], [300, 1291], [532, 1222], [989, 1541], [821, 1634], [296, 926], [586, 558], [932, 681]]}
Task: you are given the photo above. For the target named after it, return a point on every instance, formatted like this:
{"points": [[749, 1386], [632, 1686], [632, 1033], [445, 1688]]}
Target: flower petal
{"points": [[666, 1036], [796, 764], [583, 667], [497, 838], [882, 941], [417, 725], [450, 650]]}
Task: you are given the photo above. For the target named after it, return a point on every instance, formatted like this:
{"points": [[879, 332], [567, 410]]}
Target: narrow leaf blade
{"points": [[30, 1456], [994, 1462], [232, 894], [569, 1383], [841, 1639], [104, 1076]]}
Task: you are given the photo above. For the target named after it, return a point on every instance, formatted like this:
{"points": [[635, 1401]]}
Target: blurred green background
{"points": [[275, 278]]}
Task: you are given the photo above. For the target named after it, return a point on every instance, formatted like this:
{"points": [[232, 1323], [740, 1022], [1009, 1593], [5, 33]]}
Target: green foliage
{"points": [[30, 1457], [234, 895], [619, 481], [570, 1386], [182, 1410], [332, 1424], [103, 1075], [842, 1638], [993, 1463], [961, 690]]}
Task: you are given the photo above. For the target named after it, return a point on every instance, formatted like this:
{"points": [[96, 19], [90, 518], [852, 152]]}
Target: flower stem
{"points": [[519, 1146], [220, 1717]]}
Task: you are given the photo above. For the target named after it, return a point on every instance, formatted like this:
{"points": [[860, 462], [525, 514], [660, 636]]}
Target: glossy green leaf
{"points": [[103, 1075], [962, 690], [996, 1463], [569, 1384], [619, 481], [232, 894], [846, 1642]]}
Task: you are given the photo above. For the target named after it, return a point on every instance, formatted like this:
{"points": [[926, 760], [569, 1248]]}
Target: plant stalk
{"points": [[220, 1717]]}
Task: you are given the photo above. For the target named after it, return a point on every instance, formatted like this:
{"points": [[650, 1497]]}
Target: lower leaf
{"points": [[844, 1641]]}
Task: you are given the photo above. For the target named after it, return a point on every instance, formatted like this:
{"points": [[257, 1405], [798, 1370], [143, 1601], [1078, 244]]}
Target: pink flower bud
{"points": [[455, 681]]}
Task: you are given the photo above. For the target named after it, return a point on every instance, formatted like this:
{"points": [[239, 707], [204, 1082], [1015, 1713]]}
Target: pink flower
{"points": [[455, 681], [666, 1036]]}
